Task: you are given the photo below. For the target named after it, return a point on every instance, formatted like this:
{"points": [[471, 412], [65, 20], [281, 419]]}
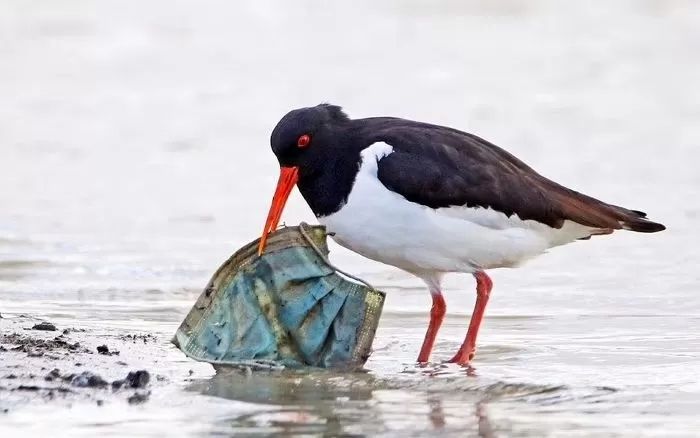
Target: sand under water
{"points": [[534, 376]]}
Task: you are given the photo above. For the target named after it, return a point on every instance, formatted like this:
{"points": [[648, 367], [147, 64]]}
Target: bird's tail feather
{"points": [[605, 217], [642, 224]]}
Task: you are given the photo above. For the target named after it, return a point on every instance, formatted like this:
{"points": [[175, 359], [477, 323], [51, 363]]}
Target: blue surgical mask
{"points": [[288, 307]]}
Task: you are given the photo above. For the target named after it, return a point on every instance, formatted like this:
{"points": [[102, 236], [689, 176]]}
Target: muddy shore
{"points": [[43, 362]]}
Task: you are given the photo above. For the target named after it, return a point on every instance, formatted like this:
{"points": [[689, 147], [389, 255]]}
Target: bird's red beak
{"points": [[285, 184]]}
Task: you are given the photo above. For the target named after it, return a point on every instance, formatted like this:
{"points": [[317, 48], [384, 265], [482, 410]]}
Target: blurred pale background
{"points": [[134, 158]]}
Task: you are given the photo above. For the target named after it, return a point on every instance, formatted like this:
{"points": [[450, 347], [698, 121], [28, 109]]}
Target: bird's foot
{"points": [[462, 357]]}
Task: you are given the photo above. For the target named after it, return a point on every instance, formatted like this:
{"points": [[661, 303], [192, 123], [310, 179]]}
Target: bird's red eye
{"points": [[303, 141]]}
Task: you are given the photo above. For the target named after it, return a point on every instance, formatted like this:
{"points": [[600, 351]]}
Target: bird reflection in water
{"points": [[332, 404]]}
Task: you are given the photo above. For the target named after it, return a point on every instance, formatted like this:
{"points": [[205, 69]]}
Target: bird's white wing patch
{"points": [[384, 226], [371, 156], [497, 220]]}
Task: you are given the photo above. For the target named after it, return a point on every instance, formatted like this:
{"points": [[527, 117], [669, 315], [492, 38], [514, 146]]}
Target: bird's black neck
{"points": [[327, 189], [326, 182]]}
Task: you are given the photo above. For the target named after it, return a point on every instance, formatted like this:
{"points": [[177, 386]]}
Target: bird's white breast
{"points": [[382, 225]]}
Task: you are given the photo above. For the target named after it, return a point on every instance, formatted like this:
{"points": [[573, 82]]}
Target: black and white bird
{"points": [[430, 200]]}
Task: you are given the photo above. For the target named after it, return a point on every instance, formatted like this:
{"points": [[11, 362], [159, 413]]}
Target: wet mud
{"points": [[43, 363]]}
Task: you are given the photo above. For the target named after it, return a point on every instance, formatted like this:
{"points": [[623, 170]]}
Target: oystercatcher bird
{"points": [[430, 200]]}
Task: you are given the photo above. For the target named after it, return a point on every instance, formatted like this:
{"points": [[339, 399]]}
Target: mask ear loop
{"points": [[323, 257]]}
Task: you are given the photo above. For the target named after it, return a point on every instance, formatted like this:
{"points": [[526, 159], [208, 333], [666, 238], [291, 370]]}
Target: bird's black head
{"points": [[304, 135], [305, 141]]}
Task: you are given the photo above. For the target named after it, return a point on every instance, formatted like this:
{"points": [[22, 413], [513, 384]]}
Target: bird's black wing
{"points": [[441, 167]]}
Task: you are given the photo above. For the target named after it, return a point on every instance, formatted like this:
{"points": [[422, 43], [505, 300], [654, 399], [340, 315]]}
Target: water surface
{"points": [[134, 159]]}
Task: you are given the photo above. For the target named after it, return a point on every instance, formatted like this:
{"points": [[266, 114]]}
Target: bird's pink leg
{"points": [[437, 313], [468, 348]]}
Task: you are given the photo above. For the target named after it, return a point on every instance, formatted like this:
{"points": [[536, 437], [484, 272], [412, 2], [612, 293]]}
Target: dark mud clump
{"points": [[139, 397], [135, 380], [73, 330], [87, 379], [103, 349], [138, 379], [53, 375], [133, 338], [45, 326], [49, 390], [34, 346]]}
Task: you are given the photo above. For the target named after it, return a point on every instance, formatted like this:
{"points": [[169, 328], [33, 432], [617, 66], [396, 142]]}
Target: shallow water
{"points": [[134, 159]]}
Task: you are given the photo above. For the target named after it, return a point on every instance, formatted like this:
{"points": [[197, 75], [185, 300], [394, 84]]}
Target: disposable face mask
{"points": [[288, 307]]}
